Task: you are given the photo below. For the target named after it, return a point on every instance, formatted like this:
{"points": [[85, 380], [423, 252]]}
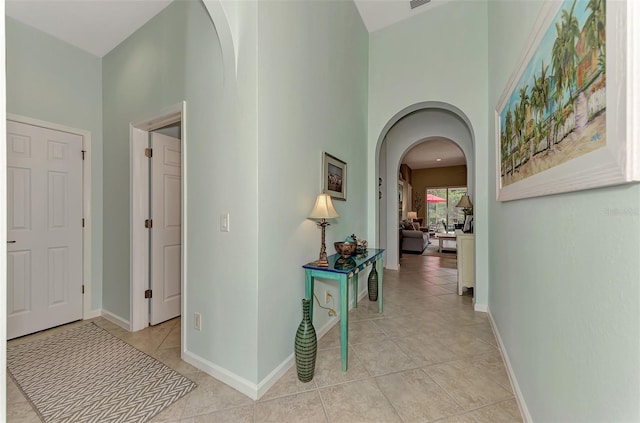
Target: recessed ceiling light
{"points": [[438, 160]]}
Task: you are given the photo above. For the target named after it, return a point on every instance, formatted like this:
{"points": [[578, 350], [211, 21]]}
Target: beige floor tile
{"points": [[483, 332], [383, 357], [172, 339], [212, 395], [359, 401], [425, 350], [172, 413], [304, 407], [426, 355], [289, 384], [493, 366], [469, 386], [14, 394], [171, 358], [331, 339], [462, 345], [21, 412], [416, 397], [363, 331], [329, 367], [233, 415], [503, 412]]}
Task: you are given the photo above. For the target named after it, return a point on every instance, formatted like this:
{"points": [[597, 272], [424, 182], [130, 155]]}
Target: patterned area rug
{"points": [[86, 374]]}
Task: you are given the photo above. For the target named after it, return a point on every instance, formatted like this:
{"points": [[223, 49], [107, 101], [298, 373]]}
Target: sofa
{"points": [[413, 240]]}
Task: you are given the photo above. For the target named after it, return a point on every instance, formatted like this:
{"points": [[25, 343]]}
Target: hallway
{"points": [[430, 357]]}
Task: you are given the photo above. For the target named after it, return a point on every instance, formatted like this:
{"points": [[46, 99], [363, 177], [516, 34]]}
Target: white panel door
{"points": [[165, 235], [44, 228]]}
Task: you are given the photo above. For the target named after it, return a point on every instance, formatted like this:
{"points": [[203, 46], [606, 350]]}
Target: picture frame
{"points": [[334, 177], [581, 130]]}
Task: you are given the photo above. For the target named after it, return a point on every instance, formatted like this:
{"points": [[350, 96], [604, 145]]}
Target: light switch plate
{"points": [[224, 222]]}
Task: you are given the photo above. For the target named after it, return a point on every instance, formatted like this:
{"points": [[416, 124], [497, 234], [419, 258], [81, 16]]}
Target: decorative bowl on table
{"points": [[345, 249]]}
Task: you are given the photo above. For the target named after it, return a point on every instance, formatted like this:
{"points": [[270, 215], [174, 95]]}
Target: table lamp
{"points": [[412, 215], [466, 205], [323, 210]]}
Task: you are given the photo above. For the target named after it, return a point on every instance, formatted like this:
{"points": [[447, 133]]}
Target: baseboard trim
{"points": [[481, 307], [124, 324], [522, 405], [236, 382], [93, 314], [252, 390], [275, 375]]}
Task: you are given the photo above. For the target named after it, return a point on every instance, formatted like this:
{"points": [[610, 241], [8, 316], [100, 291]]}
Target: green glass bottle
{"points": [[373, 283], [306, 345]]}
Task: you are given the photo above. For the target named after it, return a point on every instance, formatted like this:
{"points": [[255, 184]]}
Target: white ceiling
{"points": [[378, 14], [425, 155], [96, 26]]}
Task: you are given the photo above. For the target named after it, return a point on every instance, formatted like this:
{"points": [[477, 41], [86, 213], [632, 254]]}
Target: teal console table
{"points": [[341, 270]]}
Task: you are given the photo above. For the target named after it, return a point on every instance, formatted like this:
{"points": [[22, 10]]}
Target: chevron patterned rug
{"points": [[86, 374]]}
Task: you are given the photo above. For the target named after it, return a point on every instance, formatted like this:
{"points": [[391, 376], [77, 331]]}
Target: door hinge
{"points": [[148, 223], [148, 152], [83, 222], [148, 293], [83, 151], [83, 289]]}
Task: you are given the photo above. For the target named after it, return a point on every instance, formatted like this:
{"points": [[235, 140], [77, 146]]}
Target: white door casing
{"points": [[44, 198], [165, 234]]}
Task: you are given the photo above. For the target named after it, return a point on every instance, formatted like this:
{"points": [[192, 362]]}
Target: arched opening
{"points": [[409, 127]]}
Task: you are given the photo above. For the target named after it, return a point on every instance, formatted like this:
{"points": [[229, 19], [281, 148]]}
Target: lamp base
{"points": [[322, 263]]}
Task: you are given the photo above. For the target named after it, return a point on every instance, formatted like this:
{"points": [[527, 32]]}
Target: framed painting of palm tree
{"points": [[568, 118]]}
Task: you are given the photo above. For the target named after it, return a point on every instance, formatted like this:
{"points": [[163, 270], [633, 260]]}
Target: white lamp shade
{"points": [[323, 208], [412, 215], [465, 202]]}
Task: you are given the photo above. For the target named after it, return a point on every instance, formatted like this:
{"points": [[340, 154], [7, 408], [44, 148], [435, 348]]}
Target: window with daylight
{"points": [[442, 213]]}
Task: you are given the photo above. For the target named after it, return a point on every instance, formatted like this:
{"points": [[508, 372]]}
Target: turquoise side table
{"points": [[342, 270]]}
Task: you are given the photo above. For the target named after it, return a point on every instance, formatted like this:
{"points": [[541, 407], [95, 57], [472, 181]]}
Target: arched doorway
{"points": [[406, 129]]}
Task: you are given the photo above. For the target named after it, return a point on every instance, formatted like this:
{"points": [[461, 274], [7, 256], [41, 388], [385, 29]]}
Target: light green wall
{"points": [[564, 269], [175, 57], [312, 85], [50, 80], [141, 76], [440, 56], [222, 178]]}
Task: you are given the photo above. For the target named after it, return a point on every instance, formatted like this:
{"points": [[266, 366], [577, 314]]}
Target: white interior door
{"points": [[44, 228], [166, 247]]}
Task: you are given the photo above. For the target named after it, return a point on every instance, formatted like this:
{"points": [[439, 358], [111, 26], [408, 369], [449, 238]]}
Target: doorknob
{"points": [[11, 242]]}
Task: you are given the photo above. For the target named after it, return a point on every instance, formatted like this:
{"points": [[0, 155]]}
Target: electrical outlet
{"points": [[197, 321], [327, 295]]}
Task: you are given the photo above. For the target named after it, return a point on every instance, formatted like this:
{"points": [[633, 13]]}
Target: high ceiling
{"points": [[97, 26], [378, 14], [436, 152]]}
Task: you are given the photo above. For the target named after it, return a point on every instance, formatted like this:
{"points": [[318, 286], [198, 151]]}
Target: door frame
{"points": [[87, 282], [139, 190]]}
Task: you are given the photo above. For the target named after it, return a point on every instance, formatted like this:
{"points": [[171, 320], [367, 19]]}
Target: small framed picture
{"points": [[334, 174]]}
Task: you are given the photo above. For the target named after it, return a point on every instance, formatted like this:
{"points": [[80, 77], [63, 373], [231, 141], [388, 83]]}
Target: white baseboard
{"points": [[252, 390], [522, 405], [239, 383], [265, 384], [92, 314], [124, 324], [481, 307]]}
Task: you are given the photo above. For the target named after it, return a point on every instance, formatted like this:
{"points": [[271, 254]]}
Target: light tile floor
{"points": [[428, 358]]}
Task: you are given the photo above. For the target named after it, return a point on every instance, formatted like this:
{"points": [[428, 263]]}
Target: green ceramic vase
{"points": [[373, 283], [306, 345]]}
